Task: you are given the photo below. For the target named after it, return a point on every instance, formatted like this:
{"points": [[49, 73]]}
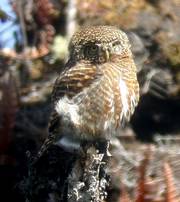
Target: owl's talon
{"points": [[108, 154]]}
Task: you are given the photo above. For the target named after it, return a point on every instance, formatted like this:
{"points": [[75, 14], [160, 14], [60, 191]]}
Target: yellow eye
{"points": [[91, 50]]}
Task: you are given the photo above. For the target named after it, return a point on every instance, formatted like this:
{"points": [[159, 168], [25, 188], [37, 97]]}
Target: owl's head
{"points": [[98, 43]]}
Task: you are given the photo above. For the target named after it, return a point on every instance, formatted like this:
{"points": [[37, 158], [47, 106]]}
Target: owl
{"points": [[97, 90]]}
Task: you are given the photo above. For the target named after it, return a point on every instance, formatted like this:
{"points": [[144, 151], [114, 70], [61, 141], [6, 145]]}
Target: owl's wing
{"points": [[70, 82], [74, 80]]}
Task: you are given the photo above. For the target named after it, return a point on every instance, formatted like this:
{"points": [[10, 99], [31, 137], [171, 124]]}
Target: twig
{"points": [[22, 23], [71, 18]]}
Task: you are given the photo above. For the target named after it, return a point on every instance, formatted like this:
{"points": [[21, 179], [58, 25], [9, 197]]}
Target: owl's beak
{"points": [[106, 54]]}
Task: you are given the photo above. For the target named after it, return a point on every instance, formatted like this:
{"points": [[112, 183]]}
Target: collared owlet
{"points": [[97, 89]]}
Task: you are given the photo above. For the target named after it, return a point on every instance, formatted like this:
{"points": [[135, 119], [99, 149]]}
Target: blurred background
{"points": [[34, 36]]}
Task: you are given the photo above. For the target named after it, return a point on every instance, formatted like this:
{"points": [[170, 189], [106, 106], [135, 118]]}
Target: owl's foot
{"points": [[101, 145], [108, 154]]}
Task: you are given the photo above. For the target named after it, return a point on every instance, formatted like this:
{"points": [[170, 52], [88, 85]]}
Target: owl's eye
{"points": [[91, 50], [116, 43]]}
